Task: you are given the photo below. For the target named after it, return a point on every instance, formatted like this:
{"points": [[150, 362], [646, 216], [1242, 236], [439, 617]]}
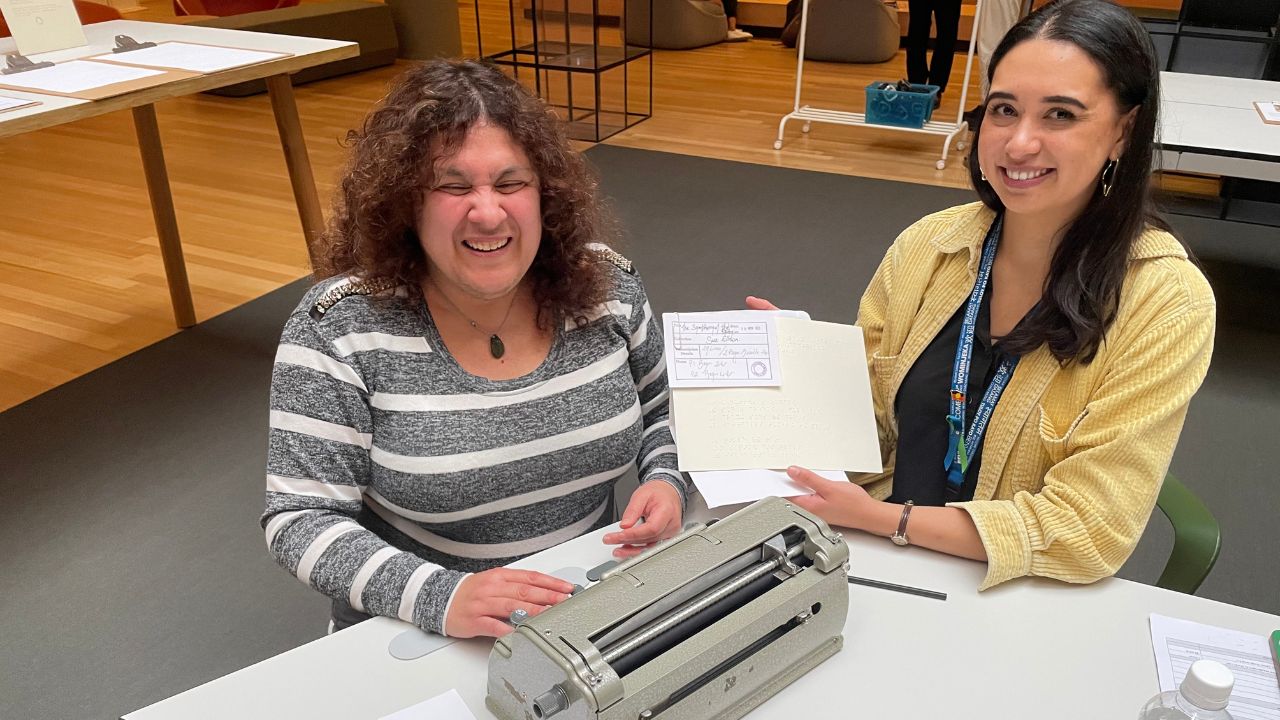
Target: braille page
{"points": [[821, 416], [1178, 643]]}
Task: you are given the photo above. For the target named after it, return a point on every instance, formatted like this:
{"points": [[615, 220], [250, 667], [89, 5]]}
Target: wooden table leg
{"points": [[295, 156], [175, 270]]}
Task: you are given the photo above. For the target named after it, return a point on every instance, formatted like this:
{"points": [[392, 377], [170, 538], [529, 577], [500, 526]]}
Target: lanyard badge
{"points": [[959, 442]]}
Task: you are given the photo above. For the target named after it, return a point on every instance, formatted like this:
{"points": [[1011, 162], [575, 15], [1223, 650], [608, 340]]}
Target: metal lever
{"points": [[775, 548]]}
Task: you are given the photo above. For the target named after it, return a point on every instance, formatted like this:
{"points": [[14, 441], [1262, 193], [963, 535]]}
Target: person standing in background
{"points": [[994, 21], [731, 14], [924, 13]]}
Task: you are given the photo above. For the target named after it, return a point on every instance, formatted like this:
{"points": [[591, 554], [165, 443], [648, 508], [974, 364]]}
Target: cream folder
{"points": [[43, 25], [821, 416]]}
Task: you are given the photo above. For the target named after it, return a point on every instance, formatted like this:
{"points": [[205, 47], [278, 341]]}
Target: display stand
{"points": [[950, 130], [565, 48]]}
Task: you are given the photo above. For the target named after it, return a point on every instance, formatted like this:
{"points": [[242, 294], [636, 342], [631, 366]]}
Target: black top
{"points": [[923, 403]]}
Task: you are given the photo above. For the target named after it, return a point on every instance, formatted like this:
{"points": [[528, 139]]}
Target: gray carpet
{"points": [[133, 564]]}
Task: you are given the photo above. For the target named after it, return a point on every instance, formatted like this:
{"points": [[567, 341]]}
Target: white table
{"points": [[304, 53], [1031, 648], [1208, 125]]}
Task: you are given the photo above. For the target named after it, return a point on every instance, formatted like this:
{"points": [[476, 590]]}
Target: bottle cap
{"points": [[1207, 685]]}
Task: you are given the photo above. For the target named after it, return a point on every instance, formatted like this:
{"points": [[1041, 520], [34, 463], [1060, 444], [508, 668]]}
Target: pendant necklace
{"points": [[496, 347]]}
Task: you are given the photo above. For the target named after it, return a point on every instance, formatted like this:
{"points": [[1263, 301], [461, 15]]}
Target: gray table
{"points": [[1031, 648], [1208, 125]]}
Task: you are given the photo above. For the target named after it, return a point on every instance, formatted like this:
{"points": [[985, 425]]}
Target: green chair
{"points": [[1196, 538]]}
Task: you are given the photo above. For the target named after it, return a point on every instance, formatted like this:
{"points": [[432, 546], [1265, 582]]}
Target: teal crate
{"points": [[898, 108]]}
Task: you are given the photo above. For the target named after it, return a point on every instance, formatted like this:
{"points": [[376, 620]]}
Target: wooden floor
{"points": [[81, 283]]}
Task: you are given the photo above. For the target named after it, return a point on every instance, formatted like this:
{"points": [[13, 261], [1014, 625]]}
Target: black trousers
{"points": [[923, 12]]}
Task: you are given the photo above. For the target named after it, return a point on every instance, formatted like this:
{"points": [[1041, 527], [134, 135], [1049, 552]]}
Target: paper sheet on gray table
{"points": [[1178, 643]]}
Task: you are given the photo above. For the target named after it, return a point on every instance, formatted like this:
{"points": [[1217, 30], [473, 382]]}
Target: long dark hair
{"points": [[426, 115], [1082, 292]]}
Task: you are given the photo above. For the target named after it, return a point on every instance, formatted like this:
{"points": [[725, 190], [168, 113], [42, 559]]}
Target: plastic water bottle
{"points": [[1203, 695]]}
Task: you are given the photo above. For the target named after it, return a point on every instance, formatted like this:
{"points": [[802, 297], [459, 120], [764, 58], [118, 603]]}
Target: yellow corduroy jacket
{"points": [[1074, 456]]}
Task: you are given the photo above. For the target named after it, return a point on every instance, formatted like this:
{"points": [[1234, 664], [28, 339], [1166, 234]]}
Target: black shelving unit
{"points": [[565, 52], [1218, 37]]}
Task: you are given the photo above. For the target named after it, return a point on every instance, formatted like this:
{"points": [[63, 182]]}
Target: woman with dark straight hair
{"points": [[1033, 355], [1092, 255]]}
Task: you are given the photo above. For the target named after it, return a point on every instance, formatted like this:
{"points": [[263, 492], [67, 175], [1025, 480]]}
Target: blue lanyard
{"points": [[960, 443]]}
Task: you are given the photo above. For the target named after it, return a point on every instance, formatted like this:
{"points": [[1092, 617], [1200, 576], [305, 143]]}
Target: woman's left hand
{"points": [[839, 503], [658, 504]]}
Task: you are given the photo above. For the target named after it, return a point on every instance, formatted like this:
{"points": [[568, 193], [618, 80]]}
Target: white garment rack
{"points": [[839, 117]]}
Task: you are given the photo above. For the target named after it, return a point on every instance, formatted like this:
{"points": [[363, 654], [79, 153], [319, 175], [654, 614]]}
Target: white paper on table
{"points": [[448, 706], [40, 26], [1178, 643], [76, 76], [730, 487], [1269, 111], [13, 103], [191, 57], [738, 348], [821, 417]]}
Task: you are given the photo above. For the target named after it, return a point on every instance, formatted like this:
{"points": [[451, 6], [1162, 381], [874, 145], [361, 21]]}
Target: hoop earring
{"points": [[1109, 176], [982, 173]]}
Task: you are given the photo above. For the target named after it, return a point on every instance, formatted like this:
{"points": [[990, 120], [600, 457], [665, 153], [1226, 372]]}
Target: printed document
{"points": [[40, 26], [448, 706], [721, 349], [76, 76], [820, 417], [1270, 112], [1178, 643], [191, 57], [8, 102]]}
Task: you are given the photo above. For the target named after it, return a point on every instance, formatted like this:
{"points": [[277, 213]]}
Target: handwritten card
{"points": [[721, 349]]}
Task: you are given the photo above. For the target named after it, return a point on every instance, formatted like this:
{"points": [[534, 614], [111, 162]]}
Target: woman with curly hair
{"points": [[472, 375]]}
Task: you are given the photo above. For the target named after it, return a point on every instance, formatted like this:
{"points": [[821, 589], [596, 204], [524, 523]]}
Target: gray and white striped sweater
{"points": [[392, 472]]}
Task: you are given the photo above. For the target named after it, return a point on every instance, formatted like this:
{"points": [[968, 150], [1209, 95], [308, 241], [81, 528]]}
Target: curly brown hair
{"points": [[430, 109]]}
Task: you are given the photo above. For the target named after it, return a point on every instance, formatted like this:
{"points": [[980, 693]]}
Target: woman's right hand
{"points": [[755, 303], [485, 600]]}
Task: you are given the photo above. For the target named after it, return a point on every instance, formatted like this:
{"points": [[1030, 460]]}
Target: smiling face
{"points": [[1051, 125], [480, 222]]}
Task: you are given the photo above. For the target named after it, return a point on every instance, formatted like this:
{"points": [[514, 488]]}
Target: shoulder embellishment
{"points": [[613, 256], [347, 289]]}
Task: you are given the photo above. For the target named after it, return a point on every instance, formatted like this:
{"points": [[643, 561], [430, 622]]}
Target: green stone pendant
{"points": [[496, 348]]}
